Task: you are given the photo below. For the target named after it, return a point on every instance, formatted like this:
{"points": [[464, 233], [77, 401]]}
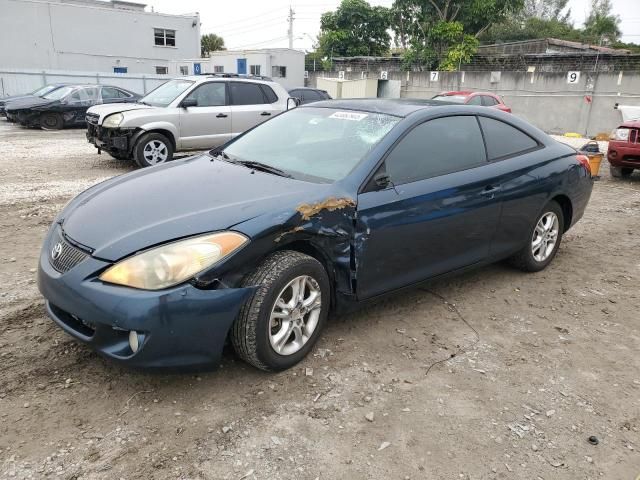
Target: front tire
{"points": [[152, 149], [620, 172], [280, 323], [51, 121], [544, 240]]}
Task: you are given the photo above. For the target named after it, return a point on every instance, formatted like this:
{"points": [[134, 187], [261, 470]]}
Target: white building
{"points": [[284, 65], [93, 35]]}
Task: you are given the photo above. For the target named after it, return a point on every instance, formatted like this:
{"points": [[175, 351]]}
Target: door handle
{"points": [[265, 114], [221, 115], [490, 190]]}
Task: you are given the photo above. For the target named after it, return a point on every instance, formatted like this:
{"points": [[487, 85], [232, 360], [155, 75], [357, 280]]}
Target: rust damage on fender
{"points": [[308, 210], [288, 232]]}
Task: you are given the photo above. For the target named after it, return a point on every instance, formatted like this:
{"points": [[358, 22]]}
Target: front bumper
{"points": [[112, 140], [623, 154], [177, 327]]}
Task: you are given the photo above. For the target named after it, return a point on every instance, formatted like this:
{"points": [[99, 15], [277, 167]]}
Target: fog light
{"points": [[133, 341]]}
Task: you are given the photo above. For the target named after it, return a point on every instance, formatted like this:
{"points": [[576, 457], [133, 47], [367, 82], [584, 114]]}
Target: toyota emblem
{"points": [[56, 251]]}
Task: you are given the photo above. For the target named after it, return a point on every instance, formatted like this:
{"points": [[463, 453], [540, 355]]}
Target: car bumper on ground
{"points": [[179, 327]]}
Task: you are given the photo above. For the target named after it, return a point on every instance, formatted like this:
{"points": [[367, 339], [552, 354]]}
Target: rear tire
{"points": [[280, 323], [152, 149], [51, 121], [544, 240], [620, 172]]}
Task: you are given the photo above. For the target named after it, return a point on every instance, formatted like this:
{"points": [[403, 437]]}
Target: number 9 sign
{"points": [[573, 77]]}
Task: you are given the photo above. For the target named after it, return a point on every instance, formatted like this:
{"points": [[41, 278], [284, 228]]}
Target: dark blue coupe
{"points": [[320, 208]]}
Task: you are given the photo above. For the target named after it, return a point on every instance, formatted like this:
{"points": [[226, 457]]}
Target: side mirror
{"points": [[189, 102], [295, 101], [382, 180]]}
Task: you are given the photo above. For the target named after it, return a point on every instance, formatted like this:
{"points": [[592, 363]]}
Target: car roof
{"points": [[226, 77], [305, 88], [400, 107], [631, 124], [466, 93]]}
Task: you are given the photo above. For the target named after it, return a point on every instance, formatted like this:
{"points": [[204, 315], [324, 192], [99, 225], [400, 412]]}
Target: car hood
{"points": [[105, 110], [14, 98], [29, 102], [187, 197]]}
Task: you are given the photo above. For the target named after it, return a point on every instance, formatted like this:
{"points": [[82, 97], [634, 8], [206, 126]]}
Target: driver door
{"points": [[208, 124]]}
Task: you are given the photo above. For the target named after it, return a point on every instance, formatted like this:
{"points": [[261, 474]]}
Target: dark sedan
{"points": [[66, 106], [38, 92], [259, 240], [308, 95]]}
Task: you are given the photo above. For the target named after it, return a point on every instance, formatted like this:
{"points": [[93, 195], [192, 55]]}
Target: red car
{"points": [[486, 99], [624, 149]]}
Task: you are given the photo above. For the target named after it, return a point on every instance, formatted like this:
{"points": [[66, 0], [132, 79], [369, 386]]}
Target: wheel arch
{"points": [[567, 209], [162, 129]]}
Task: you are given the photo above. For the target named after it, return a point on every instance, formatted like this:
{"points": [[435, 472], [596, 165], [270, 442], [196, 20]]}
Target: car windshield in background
{"points": [[166, 93], [314, 144], [43, 90], [451, 98], [59, 93]]}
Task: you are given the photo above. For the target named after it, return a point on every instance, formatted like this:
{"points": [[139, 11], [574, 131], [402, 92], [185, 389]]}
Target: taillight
{"points": [[584, 161]]}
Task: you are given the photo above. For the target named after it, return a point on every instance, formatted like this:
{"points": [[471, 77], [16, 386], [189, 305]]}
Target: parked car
{"points": [[38, 92], [624, 149], [321, 208], [66, 106], [308, 95], [188, 113], [486, 99]]}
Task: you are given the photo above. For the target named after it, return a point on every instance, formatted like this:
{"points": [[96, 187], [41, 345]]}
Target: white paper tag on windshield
{"points": [[356, 117]]}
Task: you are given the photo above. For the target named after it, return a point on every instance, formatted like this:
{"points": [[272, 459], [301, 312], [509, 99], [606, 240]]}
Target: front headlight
{"points": [[174, 263], [112, 121]]}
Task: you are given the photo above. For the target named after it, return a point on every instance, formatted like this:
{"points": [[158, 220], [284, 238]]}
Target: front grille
{"points": [[634, 135], [62, 255], [92, 118]]}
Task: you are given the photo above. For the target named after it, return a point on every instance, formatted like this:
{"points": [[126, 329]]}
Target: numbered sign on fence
{"points": [[341, 74], [573, 77], [384, 75], [433, 77]]}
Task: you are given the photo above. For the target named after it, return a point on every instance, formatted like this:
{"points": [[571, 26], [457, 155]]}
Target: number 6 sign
{"points": [[573, 77]]}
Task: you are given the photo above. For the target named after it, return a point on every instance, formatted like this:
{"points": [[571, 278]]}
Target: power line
{"points": [[258, 43]]}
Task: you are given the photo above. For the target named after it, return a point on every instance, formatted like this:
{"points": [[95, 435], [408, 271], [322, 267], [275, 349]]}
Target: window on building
{"points": [[164, 37], [278, 72], [218, 69], [437, 147], [246, 93], [184, 70], [162, 70], [254, 69], [503, 140], [119, 69]]}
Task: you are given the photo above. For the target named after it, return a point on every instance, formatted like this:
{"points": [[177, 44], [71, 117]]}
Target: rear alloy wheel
{"points": [[544, 240], [152, 149], [51, 121], [278, 326]]}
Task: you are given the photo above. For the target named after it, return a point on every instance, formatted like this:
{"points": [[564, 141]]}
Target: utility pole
{"points": [[290, 32]]}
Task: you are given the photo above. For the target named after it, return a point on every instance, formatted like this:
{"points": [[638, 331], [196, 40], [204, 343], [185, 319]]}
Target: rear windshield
{"points": [[314, 144], [451, 98], [58, 93], [166, 93]]}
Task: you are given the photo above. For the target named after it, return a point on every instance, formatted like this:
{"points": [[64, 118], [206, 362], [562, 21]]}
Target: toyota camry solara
{"points": [[321, 208]]}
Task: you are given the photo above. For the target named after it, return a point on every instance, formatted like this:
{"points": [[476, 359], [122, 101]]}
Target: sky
{"points": [[247, 24]]}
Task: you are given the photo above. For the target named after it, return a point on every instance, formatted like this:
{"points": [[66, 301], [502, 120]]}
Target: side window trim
{"points": [[538, 146], [381, 165]]}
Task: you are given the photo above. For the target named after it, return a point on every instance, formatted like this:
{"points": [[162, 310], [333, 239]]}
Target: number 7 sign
{"points": [[434, 76]]}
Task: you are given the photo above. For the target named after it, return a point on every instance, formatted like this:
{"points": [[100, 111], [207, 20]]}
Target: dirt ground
{"points": [[530, 366]]}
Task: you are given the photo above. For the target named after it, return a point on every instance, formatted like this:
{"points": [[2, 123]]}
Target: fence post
{"points": [[44, 78], [144, 84], [97, 78]]}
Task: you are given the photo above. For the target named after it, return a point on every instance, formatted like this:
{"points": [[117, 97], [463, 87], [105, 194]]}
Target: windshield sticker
{"points": [[356, 117]]}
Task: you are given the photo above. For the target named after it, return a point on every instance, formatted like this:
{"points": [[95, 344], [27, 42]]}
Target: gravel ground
{"points": [[491, 375]]}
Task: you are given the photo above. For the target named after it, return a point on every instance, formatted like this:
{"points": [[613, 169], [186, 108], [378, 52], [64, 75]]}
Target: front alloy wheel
{"points": [[152, 149], [281, 322]]}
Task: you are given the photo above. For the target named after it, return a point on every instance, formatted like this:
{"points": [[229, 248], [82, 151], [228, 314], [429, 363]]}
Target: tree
{"points": [[546, 10], [355, 28], [601, 24], [211, 43]]}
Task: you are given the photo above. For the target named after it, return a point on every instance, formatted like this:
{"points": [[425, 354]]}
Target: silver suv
{"points": [[187, 113]]}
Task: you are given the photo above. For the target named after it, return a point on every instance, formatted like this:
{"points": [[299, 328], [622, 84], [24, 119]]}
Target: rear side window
{"points": [[109, 93], [246, 94], [312, 96], [437, 147], [488, 101], [477, 100], [269, 93], [503, 140]]}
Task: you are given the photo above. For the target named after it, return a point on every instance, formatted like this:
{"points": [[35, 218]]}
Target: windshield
{"points": [[166, 93], [58, 93], [451, 98], [315, 144], [38, 92]]}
